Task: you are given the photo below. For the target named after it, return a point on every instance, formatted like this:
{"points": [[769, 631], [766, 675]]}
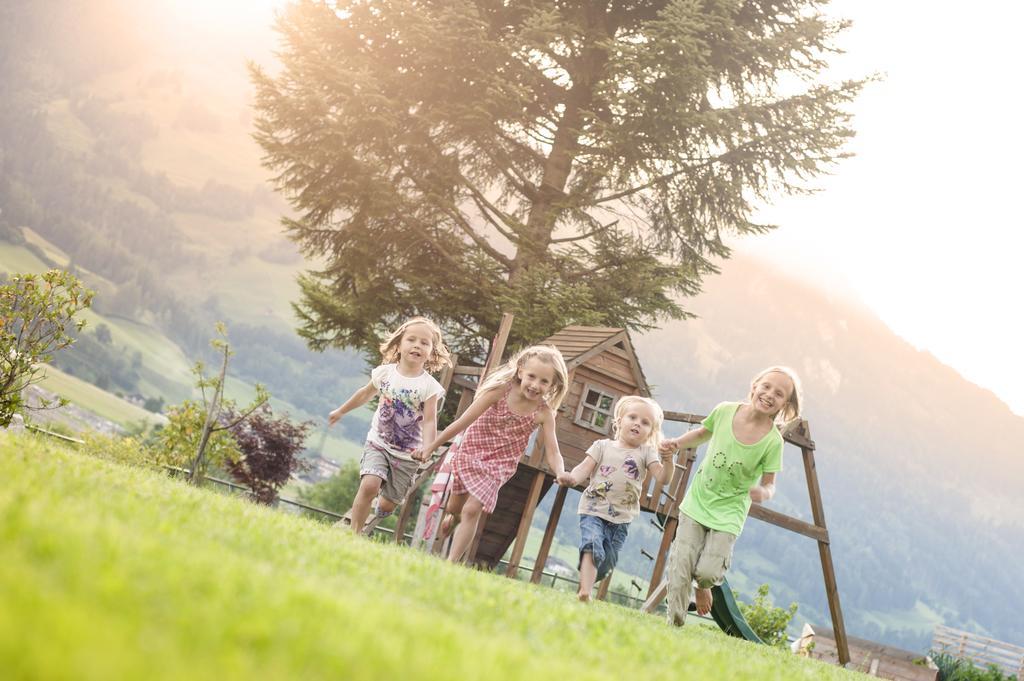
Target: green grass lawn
{"points": [[114, 572]]}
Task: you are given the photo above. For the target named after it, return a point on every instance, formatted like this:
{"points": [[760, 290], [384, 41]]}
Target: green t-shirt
{"points": [[719, 496]]}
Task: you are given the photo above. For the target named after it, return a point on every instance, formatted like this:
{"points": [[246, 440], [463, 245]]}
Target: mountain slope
{"points": [[919, 468]]}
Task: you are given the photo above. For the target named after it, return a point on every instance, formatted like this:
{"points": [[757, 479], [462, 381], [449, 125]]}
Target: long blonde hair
{"points": [[439, 355], [790, 411], [509, 372], [654, 439]]}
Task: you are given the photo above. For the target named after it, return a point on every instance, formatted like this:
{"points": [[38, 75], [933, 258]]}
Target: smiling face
{"points": [[416, 345], [771, 392], [636, 424], [536, 378]]}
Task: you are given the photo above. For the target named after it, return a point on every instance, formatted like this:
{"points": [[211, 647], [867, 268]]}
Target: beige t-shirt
{"points": [[614, 490]]}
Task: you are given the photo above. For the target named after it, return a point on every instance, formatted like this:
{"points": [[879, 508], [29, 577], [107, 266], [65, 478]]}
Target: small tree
{"points": [[765, 619], [178, 441], [36, 320], [569, 162], [216, 406], [269, 451]]}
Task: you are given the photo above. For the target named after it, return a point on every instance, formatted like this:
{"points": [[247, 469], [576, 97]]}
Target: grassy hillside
{"points": [[165, 369], [103, 404], [129, 574]]}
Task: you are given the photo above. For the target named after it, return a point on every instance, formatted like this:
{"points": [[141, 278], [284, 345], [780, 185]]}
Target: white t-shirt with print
{"points": [[615, 484], [398, 422]]}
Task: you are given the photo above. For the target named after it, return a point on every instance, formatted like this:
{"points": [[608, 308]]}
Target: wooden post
{"points": [[524, 524], [448, 373], [659, 564], [498, 345], [678, 487], [465, 399], [831, 588], [549, 534], [602, 589]]}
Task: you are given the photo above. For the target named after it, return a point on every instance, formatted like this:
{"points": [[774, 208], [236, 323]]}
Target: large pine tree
{"points": [[570, 161]]}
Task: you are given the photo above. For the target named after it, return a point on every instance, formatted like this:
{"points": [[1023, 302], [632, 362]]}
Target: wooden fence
{"points": [[979, 650]]}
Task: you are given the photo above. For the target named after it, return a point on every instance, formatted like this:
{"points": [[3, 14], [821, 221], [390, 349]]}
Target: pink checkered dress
{"points": [[490, 450]]}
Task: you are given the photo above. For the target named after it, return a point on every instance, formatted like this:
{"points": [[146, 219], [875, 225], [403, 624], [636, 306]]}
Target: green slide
{"points": [[727, 614]]}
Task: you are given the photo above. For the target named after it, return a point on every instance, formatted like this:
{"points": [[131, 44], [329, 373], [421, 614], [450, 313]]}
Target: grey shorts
{"points": [[396, 473]]}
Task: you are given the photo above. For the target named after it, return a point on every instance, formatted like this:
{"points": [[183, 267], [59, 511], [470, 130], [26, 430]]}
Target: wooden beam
{"points": [[602, 589], [524, 525], [549, 534], [465, 399], [786, 522], [467, 370], [659, 563], [831, 588], [656, 596], [683, 417], [448, 373], [677, 485]]}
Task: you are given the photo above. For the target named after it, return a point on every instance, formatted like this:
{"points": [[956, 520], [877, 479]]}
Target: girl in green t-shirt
{"points": [[743, 456]]}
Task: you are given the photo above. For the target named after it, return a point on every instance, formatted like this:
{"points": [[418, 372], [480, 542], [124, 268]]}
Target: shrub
{"points": [[179, 439], [952, 668], [36, 319], [766, 620], [269, 449]]}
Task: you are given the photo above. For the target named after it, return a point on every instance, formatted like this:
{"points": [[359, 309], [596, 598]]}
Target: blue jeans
{"points": [[603, 540]]}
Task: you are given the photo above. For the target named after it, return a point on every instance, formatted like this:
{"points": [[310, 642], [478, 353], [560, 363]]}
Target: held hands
{"points": [[759, 494], [420, 454], [668, 446], [565, 479]]}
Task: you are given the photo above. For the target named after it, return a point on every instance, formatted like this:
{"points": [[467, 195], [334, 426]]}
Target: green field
{"points": [[165, 370], [89, 397], [115, 572]]}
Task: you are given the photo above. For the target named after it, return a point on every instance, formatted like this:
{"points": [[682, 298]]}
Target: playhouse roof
{"points": [[581, 343]]}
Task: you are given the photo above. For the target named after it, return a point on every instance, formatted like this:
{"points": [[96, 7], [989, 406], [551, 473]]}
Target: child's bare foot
{"points": [[704, 600], [584, 598], [446, 524]]}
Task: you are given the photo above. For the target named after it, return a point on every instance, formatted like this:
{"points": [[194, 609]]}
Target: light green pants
{"points": [[698, 554]]}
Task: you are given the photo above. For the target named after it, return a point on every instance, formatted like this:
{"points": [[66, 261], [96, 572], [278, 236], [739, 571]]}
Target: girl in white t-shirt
{"points": [[616, 470], [406, 415]]}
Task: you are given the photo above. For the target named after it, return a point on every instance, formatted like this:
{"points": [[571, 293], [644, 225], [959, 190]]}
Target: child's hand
{"points": [[668, 446], [758, 494], [420, 454], [565, 479], [334, 417]]}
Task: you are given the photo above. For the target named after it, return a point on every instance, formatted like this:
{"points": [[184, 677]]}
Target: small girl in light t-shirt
{"points": [[406, 416], [616, 470]]}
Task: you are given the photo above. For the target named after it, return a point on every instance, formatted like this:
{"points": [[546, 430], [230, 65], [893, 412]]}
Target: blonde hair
{"points": [[509, 372], [790, 411], [654, 439], [439, 355]]}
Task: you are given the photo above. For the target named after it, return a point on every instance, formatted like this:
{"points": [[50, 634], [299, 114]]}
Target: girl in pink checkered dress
{"points": [[510, 404]]}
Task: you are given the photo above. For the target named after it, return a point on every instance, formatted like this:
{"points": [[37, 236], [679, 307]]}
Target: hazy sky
{"points": [[924, 226]]}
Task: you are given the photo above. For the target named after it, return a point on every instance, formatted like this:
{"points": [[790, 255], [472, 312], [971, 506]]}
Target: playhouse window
{"points": [[595, 410]]}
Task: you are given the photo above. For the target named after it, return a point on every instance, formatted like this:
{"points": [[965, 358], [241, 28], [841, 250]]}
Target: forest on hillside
{"points": [[116, 221]]}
